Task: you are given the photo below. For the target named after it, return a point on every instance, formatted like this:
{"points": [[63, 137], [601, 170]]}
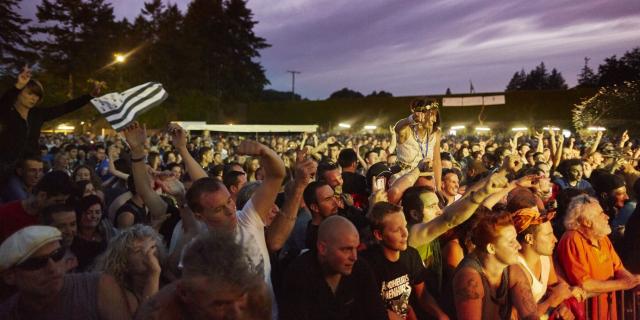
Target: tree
{"points": [[448, 93], [78, 36], [381, 94], [517, 81], [617, 71], [16, 48], [555, 81], [587, 78], [275, 95], [537, 79], [345, 93]]}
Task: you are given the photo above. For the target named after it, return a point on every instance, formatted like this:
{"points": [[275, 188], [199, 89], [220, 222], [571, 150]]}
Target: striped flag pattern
{"points": [[120, 109]]}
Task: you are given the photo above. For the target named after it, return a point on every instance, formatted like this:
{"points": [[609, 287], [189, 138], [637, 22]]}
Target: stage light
{"points": [[120, 58], [370, 127], [552, 128], [65, 127], [457, 127], [597, 129], [519, 129], [566, 133], [452, 132], [483, 129], [344, 125]]}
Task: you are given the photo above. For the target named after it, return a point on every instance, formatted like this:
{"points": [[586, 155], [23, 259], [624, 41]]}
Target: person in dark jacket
{"points": [[21, 121]]}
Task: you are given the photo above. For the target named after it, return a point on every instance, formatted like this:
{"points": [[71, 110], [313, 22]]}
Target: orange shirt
{"points": [[581, 259]]}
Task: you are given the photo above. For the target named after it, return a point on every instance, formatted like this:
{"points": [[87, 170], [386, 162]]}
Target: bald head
{"points": [[338, 242], [335, 227]]}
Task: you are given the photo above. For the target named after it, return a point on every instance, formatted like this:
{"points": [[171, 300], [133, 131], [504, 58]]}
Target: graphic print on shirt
{"points": [[395, 294]]}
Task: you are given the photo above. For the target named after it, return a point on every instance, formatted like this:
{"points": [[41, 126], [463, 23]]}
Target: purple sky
{"points": [[413, 47]]}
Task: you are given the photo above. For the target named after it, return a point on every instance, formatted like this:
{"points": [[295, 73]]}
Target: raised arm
{"points": [[393, 142], [279, 231], [403, 183], [595, 144], [179, 141], [274, 172], [540, 138], [136, 136], [437, 162], [456, 213]]}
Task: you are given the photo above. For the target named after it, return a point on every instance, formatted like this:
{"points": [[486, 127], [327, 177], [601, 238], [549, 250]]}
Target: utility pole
{"points": [[293, 83]]}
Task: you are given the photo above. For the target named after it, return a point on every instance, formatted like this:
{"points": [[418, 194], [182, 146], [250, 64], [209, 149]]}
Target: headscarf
{"points": [[526, 217]]}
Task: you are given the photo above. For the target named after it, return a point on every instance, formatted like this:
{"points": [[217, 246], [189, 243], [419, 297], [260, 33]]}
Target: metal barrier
{"points": [[626, 301]]}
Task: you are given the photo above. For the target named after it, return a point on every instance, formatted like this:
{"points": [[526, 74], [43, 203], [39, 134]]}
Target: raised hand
{"points": [[178, 135], [23, 77], [496, 182], [539, 135], [511, 164], [305, 168], [136, 136]]}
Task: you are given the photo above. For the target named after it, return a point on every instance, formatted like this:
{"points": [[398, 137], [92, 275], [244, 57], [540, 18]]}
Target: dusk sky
{"points": [[414, 47]]}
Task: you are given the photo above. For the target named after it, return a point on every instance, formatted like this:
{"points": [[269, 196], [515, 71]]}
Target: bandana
{"points": [[526, 217]]}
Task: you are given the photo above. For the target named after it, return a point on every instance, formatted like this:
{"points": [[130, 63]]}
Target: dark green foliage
{"points": [[380, 94], [537, 79], [345, 93], [617, 71], [587, 78], [275, 95], [15, 45]]}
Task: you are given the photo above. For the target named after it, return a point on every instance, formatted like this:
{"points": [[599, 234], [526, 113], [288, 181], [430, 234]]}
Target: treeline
{"points": [[207, 55], [613, 71]]}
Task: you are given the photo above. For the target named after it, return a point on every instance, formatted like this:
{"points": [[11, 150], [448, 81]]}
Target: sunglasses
{"points": [[36, 263]]}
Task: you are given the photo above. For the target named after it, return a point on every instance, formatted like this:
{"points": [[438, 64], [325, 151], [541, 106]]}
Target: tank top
{"points": [[78, 299], [502, 293], [538, 286], [410, 152]]}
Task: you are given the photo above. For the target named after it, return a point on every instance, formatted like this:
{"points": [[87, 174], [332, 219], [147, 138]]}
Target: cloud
{"points": [[412, 47]]}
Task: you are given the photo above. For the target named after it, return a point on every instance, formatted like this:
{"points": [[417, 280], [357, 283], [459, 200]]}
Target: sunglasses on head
{"points": [[35, 263]]}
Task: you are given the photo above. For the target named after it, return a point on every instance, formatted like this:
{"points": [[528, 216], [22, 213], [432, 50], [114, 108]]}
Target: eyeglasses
{"points": [[36, 263]]}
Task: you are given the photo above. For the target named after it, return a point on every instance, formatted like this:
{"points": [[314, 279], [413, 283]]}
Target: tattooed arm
{"points": [[468, 294], [521, 295]]}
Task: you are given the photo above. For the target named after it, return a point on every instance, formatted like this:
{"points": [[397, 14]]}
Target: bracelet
{"points": [[473, 193], [137, 159]]}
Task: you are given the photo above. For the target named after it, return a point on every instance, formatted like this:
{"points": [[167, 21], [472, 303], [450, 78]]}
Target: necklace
{"points": [[421, 142]]}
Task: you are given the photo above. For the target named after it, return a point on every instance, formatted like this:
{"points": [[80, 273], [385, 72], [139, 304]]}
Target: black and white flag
{"points": [[121, 109]]}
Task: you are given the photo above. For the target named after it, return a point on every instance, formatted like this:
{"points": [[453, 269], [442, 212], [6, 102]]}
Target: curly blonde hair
{"points": [[114, 260]]}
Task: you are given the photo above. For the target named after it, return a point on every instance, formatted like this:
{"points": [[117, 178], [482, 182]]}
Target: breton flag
{"points": [[121, 109]]}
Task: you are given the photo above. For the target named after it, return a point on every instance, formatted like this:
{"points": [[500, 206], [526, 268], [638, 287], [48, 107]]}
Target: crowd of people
{"points": [[412, 224]]}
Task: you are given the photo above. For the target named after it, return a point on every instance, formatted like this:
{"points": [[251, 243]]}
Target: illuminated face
{"points": [[42, 282], [205, 298], [65, 222], [31, 172], [575, 173], [394, 234], [327, 204], [91, 217], [544, 241], [333, 178], [506, 247], [620, 197], [600, 221], [431, 207], [219, 209], [340, 253], [451, 184], [27, 98]]}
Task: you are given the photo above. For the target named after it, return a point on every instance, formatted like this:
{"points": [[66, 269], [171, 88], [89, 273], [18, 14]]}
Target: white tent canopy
{"points": [[247, 128]]}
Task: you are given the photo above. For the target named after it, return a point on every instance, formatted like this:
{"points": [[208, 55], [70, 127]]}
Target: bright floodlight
{"points": [[453, 132], [519, 129], [344, 125], [370, 127], [484, 129], [120, 58], [566, 133], [66, 127], [596, 129], [457, 127], [552, 128]]}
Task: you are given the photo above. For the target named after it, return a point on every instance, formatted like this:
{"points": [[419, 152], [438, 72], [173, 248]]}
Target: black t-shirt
{"points": [[140, 214], [395, 279], [307, 296], [354, 183]]}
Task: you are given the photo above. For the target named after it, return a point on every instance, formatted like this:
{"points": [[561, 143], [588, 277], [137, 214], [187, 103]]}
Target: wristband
{"points": [[137, 159]]}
